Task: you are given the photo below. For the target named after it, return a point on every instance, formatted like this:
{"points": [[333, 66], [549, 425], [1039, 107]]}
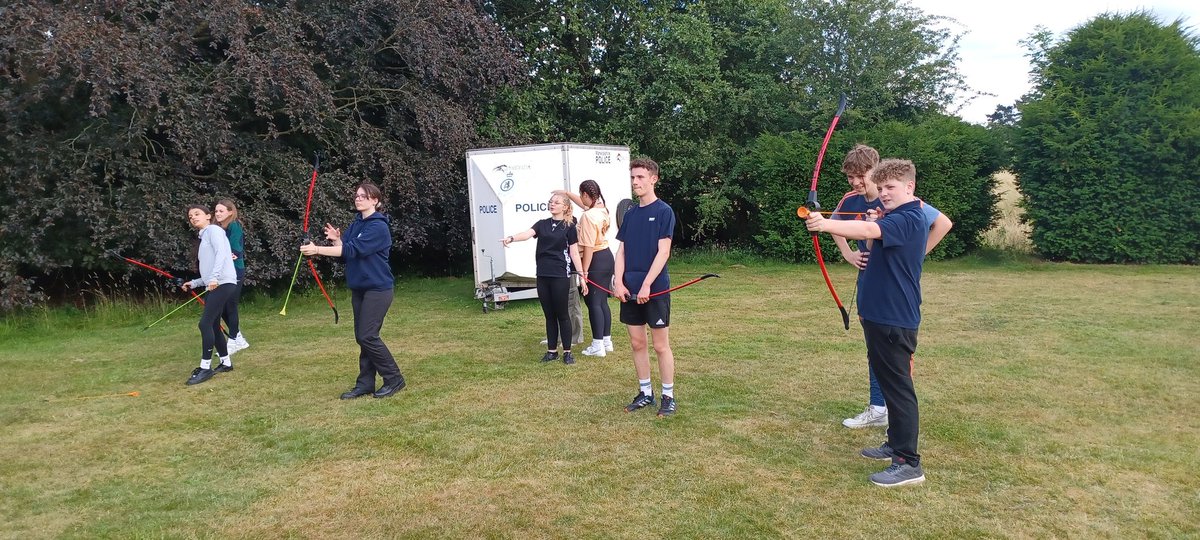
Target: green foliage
{"points": [[955, 161], [114, 116], [1108, 143], [694, 83]]}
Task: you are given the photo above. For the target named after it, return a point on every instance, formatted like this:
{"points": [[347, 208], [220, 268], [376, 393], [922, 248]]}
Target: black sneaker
{"points": [[222, 368], [883, 453], [639, 401], [550, 356], [568, 358], [200, 375], [667, 407]]}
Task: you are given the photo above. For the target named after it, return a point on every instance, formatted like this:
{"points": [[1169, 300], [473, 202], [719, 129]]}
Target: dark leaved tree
{"points": [[115, 115]]}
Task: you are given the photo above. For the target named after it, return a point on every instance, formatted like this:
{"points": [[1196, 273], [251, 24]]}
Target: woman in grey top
{"points": [[218, 276]]}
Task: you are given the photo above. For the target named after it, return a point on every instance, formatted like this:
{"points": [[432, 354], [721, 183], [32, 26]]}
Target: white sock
{"points": [[608, 341], [597, 344], [878, 409], [206, 363], [644, 387], [225, 361], [668, 390]]}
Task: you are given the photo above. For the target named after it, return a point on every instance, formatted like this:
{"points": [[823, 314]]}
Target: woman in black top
{"points": [[557, 248]]}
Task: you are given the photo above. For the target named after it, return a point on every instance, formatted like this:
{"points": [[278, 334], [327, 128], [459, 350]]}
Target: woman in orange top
{"points": [[597, 263]]}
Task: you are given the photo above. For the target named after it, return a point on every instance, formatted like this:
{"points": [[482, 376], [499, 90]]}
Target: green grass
{"points": [[1056, 401]]}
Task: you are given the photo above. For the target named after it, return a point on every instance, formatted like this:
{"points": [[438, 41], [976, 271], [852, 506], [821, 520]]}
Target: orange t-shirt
{"points": [[593, 229]]}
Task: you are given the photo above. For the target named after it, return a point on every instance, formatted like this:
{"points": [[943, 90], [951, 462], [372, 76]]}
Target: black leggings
{"points": [[599, 313], [210, 322], [230, 315], [552, 293], [374, 357]]}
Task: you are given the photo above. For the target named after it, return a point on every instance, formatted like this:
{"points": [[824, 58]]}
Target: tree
{"points": [[1108, 143], [114, 116], [693, 83]]}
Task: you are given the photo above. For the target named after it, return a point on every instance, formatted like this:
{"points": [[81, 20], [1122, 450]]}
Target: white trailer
{"points": [[510, 188]]}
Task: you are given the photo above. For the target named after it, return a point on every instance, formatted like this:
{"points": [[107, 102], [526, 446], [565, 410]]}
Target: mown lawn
{"points": [[1056, 400]]}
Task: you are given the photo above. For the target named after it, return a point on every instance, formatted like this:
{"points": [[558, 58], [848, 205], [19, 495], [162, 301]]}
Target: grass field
{"points": [[1056, 401]]}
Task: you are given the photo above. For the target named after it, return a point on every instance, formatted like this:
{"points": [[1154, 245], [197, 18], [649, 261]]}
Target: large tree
{"points": [[115, 115], [1108, 143], [693, 83]]}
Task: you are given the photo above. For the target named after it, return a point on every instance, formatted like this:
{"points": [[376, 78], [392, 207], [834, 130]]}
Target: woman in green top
{"points": [[227, 217]]}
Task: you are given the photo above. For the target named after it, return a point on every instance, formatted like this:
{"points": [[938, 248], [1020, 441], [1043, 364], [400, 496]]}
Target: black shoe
{"points": [[550, 356], [222, 368], [200, 375], [667, 407], [639, 401], [568, 358], [389, 389], [883, 453], [356, 392]]}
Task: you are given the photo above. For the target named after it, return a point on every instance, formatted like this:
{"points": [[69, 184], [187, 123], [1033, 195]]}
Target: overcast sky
{"points": [[993, 60]]}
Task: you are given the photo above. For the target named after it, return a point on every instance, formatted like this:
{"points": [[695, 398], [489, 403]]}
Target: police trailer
{"points": [[510, 190]]}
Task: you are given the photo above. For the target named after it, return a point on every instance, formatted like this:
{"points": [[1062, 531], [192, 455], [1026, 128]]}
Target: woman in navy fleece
{"points": [[365, 248]]}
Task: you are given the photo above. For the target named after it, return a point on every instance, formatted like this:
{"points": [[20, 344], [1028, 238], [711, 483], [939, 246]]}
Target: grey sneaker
{"points": [[883, 453], [899, 474]]}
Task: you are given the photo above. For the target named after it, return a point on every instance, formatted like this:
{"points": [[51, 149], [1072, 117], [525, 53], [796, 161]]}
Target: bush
{"points": [[1108, 145], [955, 162]]}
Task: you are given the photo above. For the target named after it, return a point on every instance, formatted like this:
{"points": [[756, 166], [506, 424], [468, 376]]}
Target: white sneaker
{"points": [[593, 350], [871, 417], [241, 342], [608, 344], [543, 342]]}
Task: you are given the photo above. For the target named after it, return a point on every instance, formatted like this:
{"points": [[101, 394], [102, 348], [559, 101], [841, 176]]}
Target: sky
{"points": [[992, 59]]}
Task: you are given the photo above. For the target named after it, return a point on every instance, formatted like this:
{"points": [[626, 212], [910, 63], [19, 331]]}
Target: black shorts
{"points": [[656, 312]]}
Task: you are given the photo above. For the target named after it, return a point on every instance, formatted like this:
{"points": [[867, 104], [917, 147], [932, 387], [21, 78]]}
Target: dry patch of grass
{"points": [[1009, 233]]}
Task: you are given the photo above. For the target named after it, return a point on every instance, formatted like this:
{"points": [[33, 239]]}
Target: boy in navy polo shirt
{"points": [[640, 272], [889, 299], [863, 198]]}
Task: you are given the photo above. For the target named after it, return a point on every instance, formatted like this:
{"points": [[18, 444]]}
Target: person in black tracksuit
{"points": [[557, 248], [366, 247]]}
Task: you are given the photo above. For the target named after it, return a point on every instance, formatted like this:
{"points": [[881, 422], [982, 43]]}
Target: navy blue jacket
{"points": [[365, 248]]}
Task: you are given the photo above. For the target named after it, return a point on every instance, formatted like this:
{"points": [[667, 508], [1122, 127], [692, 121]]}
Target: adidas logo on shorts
{"points": [[660, 322]]}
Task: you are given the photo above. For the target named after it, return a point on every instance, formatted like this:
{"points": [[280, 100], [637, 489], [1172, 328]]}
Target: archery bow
{"points": [[675, 288], [152, 268], [813, 206], [167, 275], [308, 239]]}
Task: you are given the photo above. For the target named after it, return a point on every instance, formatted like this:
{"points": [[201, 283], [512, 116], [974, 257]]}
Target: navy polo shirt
{"points": [[853, 202], [890, 290]]}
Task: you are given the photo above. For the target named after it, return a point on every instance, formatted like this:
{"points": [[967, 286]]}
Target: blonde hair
{"points": [[566, 202]]}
